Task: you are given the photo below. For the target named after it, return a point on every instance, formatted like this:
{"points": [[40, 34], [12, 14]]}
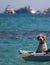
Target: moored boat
{"points": [[9, 10]]}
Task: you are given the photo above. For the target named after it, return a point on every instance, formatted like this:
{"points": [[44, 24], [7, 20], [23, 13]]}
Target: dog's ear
{"points": [[44, 37], [37, 37]]}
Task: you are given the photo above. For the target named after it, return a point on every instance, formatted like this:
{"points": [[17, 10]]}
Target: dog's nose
{"points": [[40, 39]]}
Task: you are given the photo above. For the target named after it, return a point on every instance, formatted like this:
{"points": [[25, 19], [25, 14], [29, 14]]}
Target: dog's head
{"points": [[41, 38]]}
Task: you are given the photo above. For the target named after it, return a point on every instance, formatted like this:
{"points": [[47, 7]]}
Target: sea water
{"points": [[18, 32]]}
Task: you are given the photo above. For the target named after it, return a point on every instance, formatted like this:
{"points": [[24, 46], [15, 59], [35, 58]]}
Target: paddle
{"points": [[25, 54]]}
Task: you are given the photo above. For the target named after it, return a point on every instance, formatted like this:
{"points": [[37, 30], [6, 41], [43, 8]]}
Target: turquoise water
{"points": [[19, 32]]}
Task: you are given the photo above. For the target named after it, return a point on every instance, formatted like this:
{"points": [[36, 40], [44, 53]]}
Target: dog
{"points": [[42, 43]]}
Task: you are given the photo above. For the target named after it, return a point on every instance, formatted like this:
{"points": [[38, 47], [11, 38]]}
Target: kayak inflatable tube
{"points": [[32, 56]]}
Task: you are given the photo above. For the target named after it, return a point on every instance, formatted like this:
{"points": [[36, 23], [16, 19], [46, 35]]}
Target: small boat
{"points": [[32, 56], [9, 10]]}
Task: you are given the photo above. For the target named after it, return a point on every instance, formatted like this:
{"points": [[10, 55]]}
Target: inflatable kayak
{"points": [[32, 56]]}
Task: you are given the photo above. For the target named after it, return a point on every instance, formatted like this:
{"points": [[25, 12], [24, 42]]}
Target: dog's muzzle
{"points": [[41, 39]]}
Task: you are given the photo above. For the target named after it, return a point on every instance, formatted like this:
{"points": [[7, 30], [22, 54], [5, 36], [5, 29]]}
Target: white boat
{"points": [[29, 9], [32, 56], [9, 10]]}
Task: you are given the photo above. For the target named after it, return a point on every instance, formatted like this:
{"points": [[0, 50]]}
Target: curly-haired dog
{"points": [[42, 44]]}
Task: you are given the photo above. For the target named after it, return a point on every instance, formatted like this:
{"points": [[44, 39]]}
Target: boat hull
{"points": [[35, 56]]}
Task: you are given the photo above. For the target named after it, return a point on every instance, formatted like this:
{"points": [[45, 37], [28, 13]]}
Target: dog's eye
{"points": [[43, 38]]}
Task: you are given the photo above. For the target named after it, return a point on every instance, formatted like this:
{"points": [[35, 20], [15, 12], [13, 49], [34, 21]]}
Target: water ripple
{"points": [[22, 33]]}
